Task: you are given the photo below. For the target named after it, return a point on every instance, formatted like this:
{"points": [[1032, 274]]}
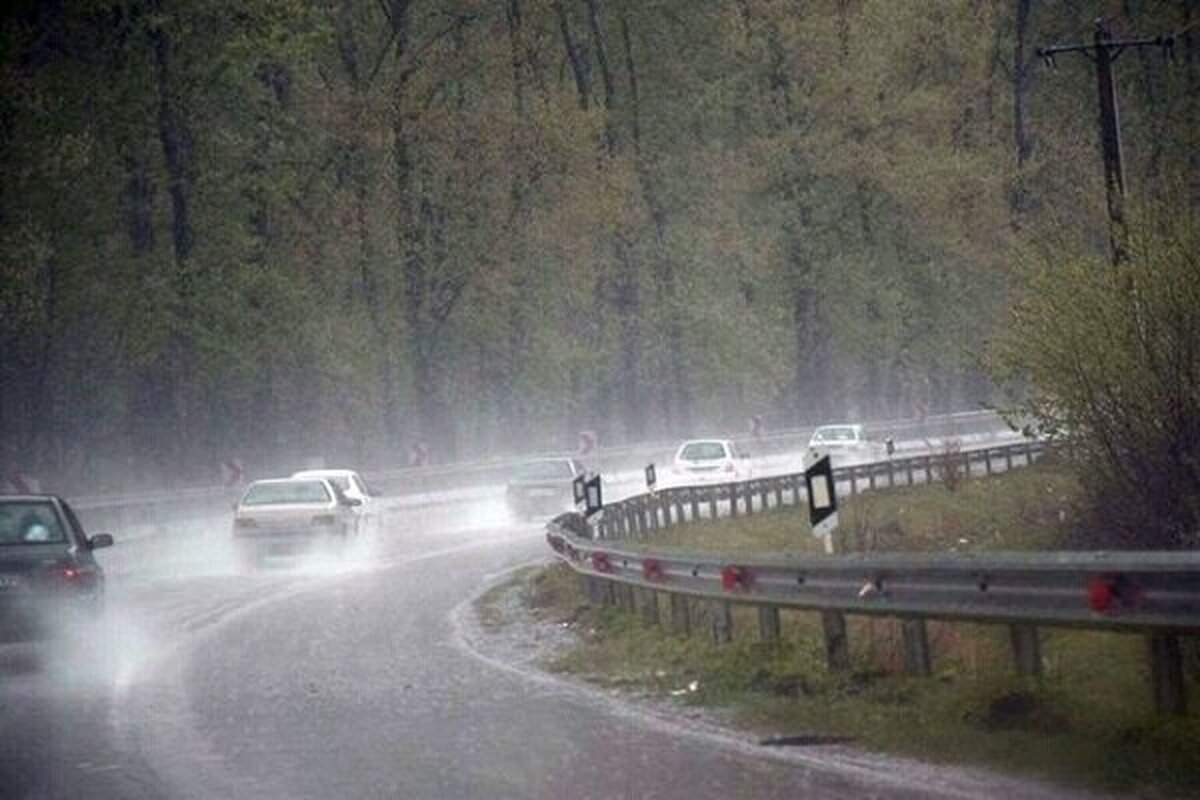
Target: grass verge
{"points": [[1025, 509]]}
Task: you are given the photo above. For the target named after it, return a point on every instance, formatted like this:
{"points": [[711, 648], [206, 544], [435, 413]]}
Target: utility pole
{"points": [[1104, 51]]}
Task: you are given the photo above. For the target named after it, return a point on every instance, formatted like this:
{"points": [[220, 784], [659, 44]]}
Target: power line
{"points": [[1103, 52]]}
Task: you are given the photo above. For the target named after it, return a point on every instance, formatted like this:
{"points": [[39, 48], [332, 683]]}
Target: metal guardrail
{"points": [[637, 516], [1138, 591], [417, 480], [162, 510], [1152, 593]]}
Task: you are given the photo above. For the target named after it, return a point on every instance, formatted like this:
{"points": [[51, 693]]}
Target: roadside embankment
{"points": [[1086, 721]]}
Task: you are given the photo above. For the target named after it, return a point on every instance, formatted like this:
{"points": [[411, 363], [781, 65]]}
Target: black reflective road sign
{"points": [[595, 502], [651, 477], [822, 497]]}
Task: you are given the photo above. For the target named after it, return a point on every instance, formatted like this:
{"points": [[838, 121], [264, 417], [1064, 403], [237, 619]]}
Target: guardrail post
{"points": [[694, 496], [681, 621], [916, 647], [712, 503], [733, 499], [625, 598], [1027, 649], [1028, 453], [764, 495], [928, 461], [796, 480], [967, 463], [608, 592], [908, 469], [778, 493], [853, 480], [768, 623], [599, 591], [871, 477], [987, 461], [648, 602], [1007, 459], [837, 648], [891, 473], [1166, 674], [722, 622]]}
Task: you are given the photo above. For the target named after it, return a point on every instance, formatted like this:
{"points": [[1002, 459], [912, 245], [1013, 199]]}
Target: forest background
{"points": [[266, 229]]}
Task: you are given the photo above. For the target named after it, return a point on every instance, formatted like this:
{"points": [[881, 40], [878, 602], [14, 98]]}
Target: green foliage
{"points": [[1108, 360], [273, 229]]}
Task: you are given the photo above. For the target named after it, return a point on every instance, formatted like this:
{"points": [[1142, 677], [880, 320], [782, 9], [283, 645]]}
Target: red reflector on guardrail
{"points": [[1109, 592], [652, 570], [733, 578], [1100, 593], [600, 562]]}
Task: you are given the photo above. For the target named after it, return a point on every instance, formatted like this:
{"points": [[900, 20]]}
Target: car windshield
{"points": [[30, 523], [286, 492], [544, 470], [838, 434], [702, 451]]}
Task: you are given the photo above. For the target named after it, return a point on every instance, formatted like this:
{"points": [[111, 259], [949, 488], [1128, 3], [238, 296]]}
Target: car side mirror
{"points": [[100, 540], [351, 501]]}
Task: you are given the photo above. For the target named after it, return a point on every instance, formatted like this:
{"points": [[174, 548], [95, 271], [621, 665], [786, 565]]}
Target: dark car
{"points": [[48, 575], [542, 487]]}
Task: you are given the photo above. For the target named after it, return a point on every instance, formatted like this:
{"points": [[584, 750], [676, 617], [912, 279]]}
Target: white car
{"points": [[287, 516], [352, 485], [711, 461], [844, 444]]}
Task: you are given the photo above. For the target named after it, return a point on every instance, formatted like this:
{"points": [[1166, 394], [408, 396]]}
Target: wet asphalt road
{"points": [[327, 681]]}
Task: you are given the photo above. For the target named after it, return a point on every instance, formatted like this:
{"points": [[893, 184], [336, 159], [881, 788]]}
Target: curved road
{"points": [[328, 681]]}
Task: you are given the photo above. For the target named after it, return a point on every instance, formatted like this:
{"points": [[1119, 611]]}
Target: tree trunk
{"points": [[1022, 140], [512, 408], [580, 67], [177, 156], [677, 404]]}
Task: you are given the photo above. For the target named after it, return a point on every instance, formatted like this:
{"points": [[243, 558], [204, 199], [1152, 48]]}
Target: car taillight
{"points": [[323, 519], [244, 523], [75, 576]]}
